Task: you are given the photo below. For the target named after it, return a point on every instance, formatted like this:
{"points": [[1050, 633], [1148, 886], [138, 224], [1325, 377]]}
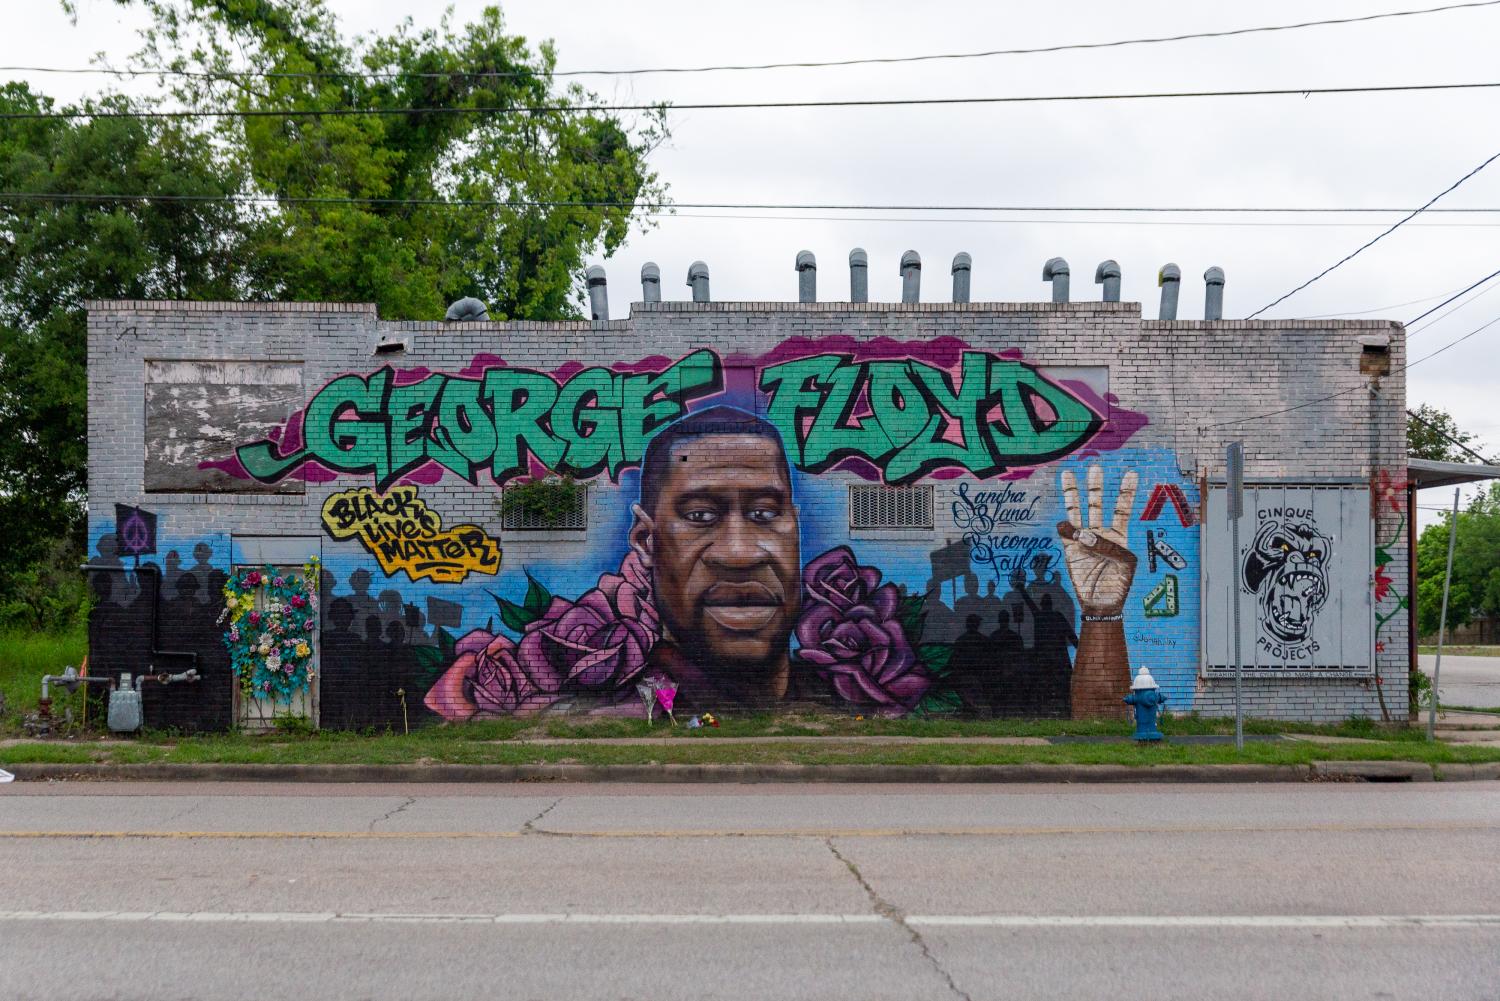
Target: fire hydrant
{"points": [[1145, 695]]}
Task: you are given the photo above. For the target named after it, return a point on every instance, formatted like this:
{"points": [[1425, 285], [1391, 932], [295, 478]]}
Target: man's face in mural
{"points": [[722, 542]]}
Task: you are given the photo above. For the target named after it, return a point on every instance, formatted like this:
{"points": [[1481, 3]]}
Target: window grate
{"points": [[874, 505], [574, 519]]}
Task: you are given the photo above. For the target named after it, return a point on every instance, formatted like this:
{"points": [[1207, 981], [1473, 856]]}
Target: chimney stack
{"points": [[1056, 272], [911, 276], [807, 276], [962, 265], [698, 279], [1170, 280]]}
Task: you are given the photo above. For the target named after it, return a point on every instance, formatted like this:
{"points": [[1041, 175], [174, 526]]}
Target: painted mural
{"points": [[719, 558]]}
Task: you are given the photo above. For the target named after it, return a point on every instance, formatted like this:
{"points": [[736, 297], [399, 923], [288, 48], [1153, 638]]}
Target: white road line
{"points": [[926, 920]]}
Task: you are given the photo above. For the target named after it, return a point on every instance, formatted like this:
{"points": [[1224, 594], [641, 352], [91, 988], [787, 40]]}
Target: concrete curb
{"points": [[1328, 771]]}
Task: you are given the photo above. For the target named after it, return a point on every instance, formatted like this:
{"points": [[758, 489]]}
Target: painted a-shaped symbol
{"points": [[1160, 494]]}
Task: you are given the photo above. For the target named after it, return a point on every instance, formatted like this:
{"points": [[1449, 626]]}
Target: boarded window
{"points": [[873, 505], [197, 412]]}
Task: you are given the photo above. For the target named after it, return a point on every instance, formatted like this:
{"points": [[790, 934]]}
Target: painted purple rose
{"points": [[487, 678], [836, 579], [849, 631], [601, 639]]}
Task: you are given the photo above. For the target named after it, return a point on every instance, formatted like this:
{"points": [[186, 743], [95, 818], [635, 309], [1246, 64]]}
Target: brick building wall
{"points": [[870, 620]]}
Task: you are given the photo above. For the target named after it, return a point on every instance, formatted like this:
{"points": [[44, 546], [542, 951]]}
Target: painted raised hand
{"points": [[1101, 567], [1099, 560]]}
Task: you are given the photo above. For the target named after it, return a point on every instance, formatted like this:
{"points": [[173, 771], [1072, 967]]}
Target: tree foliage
{"points": [[299, 238], [1475, 590], [1432, 433]]}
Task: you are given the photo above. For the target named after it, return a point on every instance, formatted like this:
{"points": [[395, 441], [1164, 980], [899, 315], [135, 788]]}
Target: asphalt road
{"points": [[1466, 681], [820, 892]]}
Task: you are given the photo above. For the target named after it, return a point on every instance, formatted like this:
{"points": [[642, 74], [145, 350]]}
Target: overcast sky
{"points": [[1380, 150]]}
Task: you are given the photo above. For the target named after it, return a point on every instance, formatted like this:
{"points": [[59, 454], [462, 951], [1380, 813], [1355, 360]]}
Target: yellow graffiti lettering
{"points": [[403, 533]]}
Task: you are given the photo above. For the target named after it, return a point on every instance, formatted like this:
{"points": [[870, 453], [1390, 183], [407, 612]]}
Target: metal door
{"points": [[1304, 572]]}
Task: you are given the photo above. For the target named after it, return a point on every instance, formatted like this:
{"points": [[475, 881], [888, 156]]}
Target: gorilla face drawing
{"points": [[1287, 568]]}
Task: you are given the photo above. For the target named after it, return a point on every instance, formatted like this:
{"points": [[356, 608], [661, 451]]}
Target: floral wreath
{"points": [[270, 648]]}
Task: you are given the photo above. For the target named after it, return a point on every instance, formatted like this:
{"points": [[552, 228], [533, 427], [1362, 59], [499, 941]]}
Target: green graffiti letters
{"points": [[905, 416], [909, 418], [596, 421]]}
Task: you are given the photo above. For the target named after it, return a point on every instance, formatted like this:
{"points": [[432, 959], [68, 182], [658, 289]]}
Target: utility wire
{"points": [[1445, 302], [888, 60], [1413, 331], [78, 196], [1377, 309], [1374, 240], [1353, 389], [878, 102]]}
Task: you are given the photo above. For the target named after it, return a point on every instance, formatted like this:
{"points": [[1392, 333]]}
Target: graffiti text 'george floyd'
{"points": [[906, 417]]}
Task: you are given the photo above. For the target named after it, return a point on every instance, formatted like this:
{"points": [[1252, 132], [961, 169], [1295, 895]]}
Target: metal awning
{"points": [[1425, 473]]}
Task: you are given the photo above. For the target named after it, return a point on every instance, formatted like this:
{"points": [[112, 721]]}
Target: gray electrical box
{"points": [[1304, 569]]}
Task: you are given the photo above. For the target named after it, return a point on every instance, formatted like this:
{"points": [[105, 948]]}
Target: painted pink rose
{"points": [[849, 631], [601, 639], [836, 579], [487, 678]]}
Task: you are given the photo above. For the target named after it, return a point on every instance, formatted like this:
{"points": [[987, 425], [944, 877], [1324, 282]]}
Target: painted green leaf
{"points": [[938, 703], [934, 656], [537, 597]]}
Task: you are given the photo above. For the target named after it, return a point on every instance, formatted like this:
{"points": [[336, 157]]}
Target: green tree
{"points": [[1432, 433], [587, 169], [55, 255], [293, 233], [1475, 590]]}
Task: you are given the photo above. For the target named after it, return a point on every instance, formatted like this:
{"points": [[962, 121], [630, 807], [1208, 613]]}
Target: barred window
{"points": [[873, 505], [574, 518]]}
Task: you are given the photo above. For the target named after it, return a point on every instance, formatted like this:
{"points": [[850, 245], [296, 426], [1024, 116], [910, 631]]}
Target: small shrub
{"points": [[551, 501]]}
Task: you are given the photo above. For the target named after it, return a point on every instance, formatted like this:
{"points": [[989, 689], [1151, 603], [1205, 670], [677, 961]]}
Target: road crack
{"points": [[896, 916], [389, 814], [530, 826]]}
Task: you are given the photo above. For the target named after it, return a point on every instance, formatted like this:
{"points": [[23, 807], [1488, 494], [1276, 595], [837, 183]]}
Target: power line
{"points": [[1370, 243], [1377, 309], [868, 61], [880, 102], [1455, 295], [1353, 389], [77, 196], [1412, 331]]}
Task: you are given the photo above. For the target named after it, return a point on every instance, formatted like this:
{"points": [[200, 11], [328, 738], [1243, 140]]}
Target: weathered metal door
{"points": [[1304, 572]]}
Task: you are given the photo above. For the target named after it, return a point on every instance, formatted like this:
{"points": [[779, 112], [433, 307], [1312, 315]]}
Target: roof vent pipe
{"points": [[467, 308], [807, 276], [1170, 280], [698, 279], [859, 275], [1056, 272], [598, 294], [1108, 275], [911, 276], [962, 265], [1213, 294], [650, 282]]}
